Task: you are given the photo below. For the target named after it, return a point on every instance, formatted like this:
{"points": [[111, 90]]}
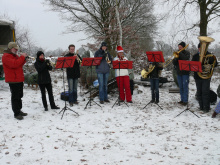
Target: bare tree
{"points": [[98, 19], [209, 10]]}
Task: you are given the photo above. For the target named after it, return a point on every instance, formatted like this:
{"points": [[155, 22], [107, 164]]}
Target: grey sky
{"points": [[45, 26]]}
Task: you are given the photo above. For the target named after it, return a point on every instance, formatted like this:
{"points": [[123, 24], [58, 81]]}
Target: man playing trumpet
{"points": [[103, 72], [14, 76], [182, 75], [72, 75]]}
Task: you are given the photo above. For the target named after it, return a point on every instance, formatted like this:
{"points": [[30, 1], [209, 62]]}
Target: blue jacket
{"points": [[104, 66]]}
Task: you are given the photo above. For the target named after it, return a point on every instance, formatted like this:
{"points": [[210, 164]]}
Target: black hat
{"points": [[39, 53], [104, 44], [199, 45], [183, 44]]}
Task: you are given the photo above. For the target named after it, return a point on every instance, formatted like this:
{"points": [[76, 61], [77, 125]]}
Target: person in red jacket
{"points": [[14, 76]]}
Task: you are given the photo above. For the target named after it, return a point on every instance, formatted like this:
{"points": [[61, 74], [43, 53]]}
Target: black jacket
{"points": [[73, 72], [43, 68], [155, 72], [196, 58], [184, 55]]}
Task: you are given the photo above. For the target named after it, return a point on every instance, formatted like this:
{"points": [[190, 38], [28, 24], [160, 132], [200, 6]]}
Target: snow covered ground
{"points": [[119, 135]]}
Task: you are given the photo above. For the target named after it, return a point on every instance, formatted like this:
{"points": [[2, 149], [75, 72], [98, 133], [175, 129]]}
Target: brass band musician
{"points": [[44, 80], [72, 75], [182, 75], [102, 71], [203, 85], [154, 80]]}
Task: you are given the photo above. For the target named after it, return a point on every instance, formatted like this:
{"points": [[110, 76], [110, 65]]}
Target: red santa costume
{"points": [[123, 76]]}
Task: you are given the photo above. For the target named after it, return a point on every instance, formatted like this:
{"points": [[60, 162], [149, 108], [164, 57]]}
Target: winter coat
{"points": [[196, 58], [104, 66], [43, 68], [155, 72], [184, 55], [123, 72], [13, 67], [73, 72]]}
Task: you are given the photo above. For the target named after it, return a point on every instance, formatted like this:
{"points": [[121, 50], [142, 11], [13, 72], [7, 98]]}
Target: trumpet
{"points": [[51, 63], [107, 58], [31, 58], [78, 58]]}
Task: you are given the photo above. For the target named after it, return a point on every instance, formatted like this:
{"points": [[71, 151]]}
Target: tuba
{"points": [[204, 59]]}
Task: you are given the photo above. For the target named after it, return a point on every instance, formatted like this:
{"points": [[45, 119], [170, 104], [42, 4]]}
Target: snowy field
{"points": [[106, 136]]}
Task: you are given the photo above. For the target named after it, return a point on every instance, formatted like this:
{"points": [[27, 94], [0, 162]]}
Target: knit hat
{"points": [[183, 44], [39, 53], [104, 44], [12, 45], [119, 49]]}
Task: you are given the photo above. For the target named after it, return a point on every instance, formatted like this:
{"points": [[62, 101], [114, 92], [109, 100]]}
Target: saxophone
{"points": [[204, 59]]}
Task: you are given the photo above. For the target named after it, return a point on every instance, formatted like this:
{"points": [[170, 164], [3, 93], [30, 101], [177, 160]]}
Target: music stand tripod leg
{"points": [[193, 113], [116, 102], [147, 105], [159, 106], [181, 113], [87, 104], [97, 103]]}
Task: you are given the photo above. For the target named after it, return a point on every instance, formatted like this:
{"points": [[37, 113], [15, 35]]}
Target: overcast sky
{"points": [[45, 26]]}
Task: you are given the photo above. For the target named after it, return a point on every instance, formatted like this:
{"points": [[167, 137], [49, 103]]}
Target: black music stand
{"points": [[65, 62], [194, 66], [91, 62], [154, 56], [121, 65]]}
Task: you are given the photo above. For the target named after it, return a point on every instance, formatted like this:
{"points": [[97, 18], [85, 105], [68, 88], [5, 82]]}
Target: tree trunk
{"points": [[203, 18], [119, 24]]}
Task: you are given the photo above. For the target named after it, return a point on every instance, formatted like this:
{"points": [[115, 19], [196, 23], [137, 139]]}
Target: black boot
{"points": [[23, 114], [55, 107], [46, 109], [214, 114], [19, 117]]}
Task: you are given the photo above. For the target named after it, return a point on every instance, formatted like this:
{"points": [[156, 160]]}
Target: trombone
{"points": [[175, 55]]}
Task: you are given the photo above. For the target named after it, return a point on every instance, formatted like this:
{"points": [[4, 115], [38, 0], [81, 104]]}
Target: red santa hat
{"points": [[119, 49]]}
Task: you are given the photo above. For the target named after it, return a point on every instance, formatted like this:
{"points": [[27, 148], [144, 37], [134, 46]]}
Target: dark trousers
{"points": [[50, 94], [16, 95], [203, 93], [154, 83]]}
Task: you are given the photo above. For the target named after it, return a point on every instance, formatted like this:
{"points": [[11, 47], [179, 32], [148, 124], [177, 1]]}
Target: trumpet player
{"points": [[72, 75], [103, 72], [182, 76], [14, 76], [43, 66]]}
